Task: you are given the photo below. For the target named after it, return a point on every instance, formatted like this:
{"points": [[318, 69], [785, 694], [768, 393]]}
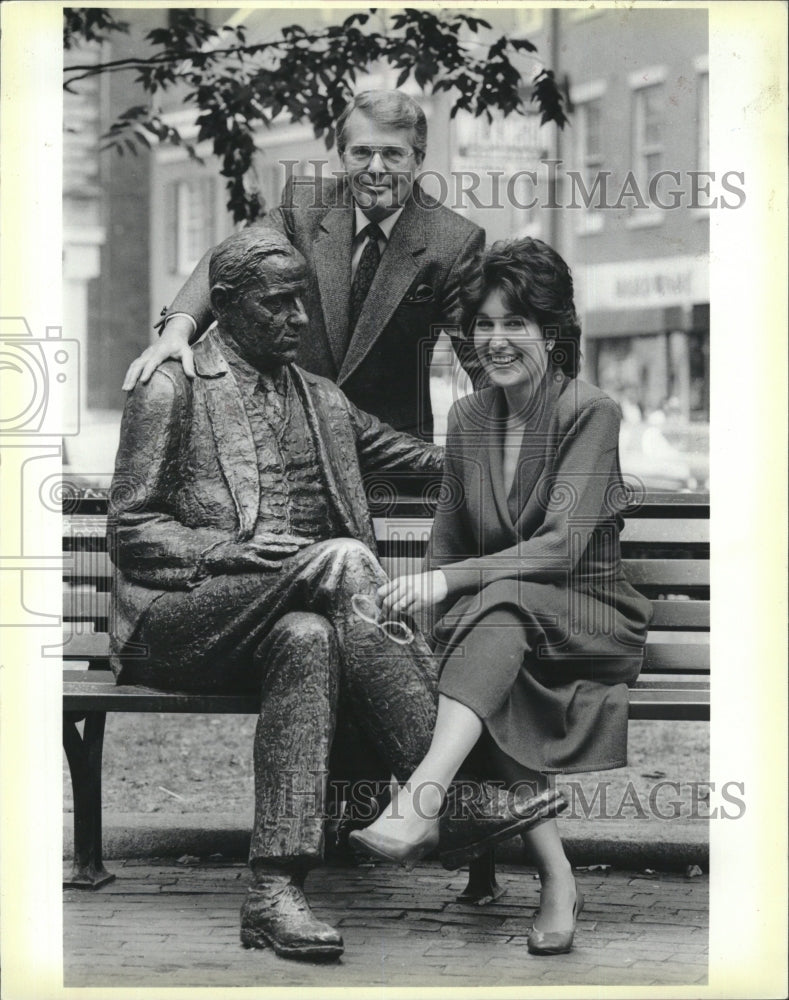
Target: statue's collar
{"points": [[209, 360]]}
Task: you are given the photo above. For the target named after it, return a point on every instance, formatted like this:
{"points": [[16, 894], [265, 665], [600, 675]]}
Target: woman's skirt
{"points": [[547, 667]]}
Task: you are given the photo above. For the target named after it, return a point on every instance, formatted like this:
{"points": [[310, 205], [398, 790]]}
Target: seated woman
{"points": [[540, 633]]}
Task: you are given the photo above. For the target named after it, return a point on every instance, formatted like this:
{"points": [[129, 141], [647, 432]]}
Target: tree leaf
{"points": [[234, 86]]}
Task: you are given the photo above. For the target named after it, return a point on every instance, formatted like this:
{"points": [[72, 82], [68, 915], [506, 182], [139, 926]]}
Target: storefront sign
{"points": [[646, 284], [515, 139]]}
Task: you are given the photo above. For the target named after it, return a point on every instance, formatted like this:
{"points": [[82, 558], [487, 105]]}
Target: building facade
{"points": [[638, 192], [622, 193]]}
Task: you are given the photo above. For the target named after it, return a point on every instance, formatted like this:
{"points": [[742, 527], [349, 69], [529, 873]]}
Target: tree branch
{"points": [[308, 76]]}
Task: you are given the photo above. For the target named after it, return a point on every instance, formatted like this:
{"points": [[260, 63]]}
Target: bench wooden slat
{"points": [[654, 573], [660, 657], [75, 680], [665, 531], [682, 703], [688, 615], [83, 533], [676, 658], [85, 603], [668, 572], [410, 490], [97, 691], [637, 530], [661, 682], [409, 502]]}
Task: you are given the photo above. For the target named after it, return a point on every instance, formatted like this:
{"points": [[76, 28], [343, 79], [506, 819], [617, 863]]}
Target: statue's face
{"points": [[266, 319]]}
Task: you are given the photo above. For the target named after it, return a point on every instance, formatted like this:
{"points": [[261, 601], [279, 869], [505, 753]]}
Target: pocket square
{"points": [[422, 293]]}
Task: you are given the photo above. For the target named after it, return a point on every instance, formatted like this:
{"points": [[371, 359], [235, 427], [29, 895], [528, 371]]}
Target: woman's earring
{"points": [[549, 345]]}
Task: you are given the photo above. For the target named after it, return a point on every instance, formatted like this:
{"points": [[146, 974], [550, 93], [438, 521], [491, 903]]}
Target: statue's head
{"points": [[257, 281]]}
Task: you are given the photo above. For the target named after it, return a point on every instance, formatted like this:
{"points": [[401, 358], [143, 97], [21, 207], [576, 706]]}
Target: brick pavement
{"points": [[164, 924]]}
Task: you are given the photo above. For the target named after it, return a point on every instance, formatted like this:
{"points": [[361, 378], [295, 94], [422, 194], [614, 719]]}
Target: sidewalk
{"points": [[166, 924]]}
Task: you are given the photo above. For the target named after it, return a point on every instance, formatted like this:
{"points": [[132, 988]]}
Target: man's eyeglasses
{"points": [[394, 157], [365, 608]]}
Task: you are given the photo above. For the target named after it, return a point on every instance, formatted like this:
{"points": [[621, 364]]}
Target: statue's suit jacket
{"points": [[186, 475], [424, 284]]}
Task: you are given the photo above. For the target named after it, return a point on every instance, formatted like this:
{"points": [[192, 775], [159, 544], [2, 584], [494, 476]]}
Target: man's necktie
{"points": [[365, 272]]}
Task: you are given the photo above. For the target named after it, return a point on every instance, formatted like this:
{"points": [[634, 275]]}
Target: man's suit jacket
{"points": [[423, 284], [186, 475]]}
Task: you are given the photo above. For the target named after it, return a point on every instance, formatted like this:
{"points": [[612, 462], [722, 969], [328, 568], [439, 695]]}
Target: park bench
{"points": [[665, 546]]}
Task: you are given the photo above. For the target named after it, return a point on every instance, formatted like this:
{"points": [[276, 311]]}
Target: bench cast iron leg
{"points": [[84, 761], [482, 886]]}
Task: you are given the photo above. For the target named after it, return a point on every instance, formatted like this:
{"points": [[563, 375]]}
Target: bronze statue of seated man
{"points": [[240, 534]]}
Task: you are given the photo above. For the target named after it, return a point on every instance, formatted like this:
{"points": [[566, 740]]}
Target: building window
{"points": [[648, 121], [191, 222], [648, 135], [528, 19], [266, 180], [587, 192]]}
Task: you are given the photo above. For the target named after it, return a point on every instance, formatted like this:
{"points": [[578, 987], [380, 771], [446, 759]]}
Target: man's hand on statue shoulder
{"points": [[263, 553], [173, 343]]}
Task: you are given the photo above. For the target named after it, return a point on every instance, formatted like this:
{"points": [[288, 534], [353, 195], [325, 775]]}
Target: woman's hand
{"points": [[411, 594], [173, 343]]}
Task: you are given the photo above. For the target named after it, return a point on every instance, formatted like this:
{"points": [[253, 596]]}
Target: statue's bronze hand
{"points": [[280, 542], [247, 557]]}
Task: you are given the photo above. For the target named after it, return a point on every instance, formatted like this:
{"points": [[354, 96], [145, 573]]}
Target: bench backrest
{"points": [[665, 548]]}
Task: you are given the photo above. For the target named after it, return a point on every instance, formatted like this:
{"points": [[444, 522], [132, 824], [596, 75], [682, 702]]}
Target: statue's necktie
{"points": [[365, 272], [273, 398]]}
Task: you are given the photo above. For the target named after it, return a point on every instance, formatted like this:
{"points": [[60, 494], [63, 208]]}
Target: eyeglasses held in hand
{"points": [[394, 157], [364, 607]]}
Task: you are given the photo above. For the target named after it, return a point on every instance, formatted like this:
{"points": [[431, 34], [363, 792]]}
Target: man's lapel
{"points": [[235, 446], [332, 258], [398, 268]]}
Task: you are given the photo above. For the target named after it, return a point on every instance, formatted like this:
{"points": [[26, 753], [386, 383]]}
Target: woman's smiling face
{"points": [[510, 347]]}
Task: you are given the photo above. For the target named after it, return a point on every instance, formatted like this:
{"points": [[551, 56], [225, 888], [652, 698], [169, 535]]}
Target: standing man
{"points": [[388, 268]]}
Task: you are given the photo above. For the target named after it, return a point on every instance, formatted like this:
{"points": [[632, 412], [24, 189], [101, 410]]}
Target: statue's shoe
{"points": [[276, 914], [479, 815]]}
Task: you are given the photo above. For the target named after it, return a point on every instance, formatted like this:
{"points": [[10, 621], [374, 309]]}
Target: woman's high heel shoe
{"points": [[379, 845], [555, 942]]}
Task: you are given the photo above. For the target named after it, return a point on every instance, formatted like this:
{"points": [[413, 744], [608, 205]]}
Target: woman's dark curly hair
{"points": [[536, 283]]}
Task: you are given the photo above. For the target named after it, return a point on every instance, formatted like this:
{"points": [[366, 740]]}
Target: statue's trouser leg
{"points": [[390, 689], [209, 639], [299, 667]]}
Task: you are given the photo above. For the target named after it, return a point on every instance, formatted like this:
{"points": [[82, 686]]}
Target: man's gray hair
{"points": [[236, 262], [391, 108]]}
